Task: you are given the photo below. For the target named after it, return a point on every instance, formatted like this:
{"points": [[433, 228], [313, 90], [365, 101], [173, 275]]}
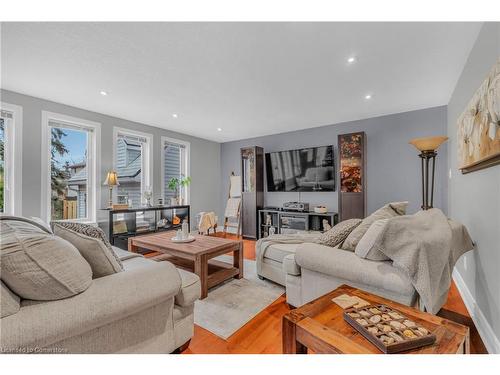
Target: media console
{"points": [[285, 222]]}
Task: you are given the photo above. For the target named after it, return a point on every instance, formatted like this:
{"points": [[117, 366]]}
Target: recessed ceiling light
{"points": [[368, 96], [219, 129], [104, 93], [351, 59], [175, 115]]}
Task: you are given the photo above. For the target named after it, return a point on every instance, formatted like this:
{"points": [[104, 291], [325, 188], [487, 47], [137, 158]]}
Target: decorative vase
{"points": [[148, 194], [173, 201], [185, 229]]}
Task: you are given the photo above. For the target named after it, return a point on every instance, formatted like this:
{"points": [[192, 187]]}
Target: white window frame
{"points": [[13, 151], [93, 157], [187, 165], [146, 156]]}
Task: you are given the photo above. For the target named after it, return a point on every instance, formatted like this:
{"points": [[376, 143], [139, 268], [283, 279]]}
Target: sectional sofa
{"points": [[147, 307], [310, 270]]}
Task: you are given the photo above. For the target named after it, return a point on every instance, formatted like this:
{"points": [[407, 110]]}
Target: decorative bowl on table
{"points": [[320, 209], [183, 239]]}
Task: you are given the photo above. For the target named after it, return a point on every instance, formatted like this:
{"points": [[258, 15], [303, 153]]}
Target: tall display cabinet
{"points": [[352, 163], [252, 189]]}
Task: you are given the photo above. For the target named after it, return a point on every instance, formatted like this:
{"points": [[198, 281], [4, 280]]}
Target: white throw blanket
{"points": [[426, 247], [232, 207], [207, 221]]}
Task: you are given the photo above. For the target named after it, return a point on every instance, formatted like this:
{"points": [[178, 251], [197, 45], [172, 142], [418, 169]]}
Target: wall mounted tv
{"points": [[307, 169]]}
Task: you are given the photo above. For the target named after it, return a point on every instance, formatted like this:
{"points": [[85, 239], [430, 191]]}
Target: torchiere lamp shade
{"points": [[427, 147], [111, 179], [428, 143]]}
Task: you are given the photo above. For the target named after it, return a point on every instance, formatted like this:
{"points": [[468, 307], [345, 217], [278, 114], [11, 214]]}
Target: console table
{"points": [[293, 221], [130, 222]]}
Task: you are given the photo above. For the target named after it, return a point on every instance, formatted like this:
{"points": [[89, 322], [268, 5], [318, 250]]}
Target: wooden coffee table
{"points": [[320, 327], [195, 256]]}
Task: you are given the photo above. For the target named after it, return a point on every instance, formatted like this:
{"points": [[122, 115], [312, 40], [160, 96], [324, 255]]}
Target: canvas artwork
{"points": [[479, 126]]}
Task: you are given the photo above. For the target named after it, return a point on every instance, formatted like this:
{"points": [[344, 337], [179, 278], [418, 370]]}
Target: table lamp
{"points": [[427, 147], [111, 180]]}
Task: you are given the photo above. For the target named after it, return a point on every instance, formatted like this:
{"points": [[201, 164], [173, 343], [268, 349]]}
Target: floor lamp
{"points": [[427, 147]]}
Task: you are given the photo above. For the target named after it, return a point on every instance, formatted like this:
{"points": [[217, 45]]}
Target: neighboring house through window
{"points": [[133, 165], [69, 167], [10, 159], [175, 164]]}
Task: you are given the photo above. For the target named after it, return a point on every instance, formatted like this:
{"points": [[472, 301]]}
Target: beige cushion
{"points": [[289, 265], [107, 301], [346, 265], [366, 248], [338, 233], [9, 302], [35, 221], [41, 223], [386, 212], [124, 255], [92, 245], [39, 266], [278, 251], [190, 289]]}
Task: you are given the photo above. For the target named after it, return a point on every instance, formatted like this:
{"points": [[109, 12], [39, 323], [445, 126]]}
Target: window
{"points": [[10, 159], [175, 164], [133, 165], [69, 171]]}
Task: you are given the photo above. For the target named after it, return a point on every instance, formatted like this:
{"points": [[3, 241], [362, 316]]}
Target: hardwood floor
{"points": [[262, 335]]}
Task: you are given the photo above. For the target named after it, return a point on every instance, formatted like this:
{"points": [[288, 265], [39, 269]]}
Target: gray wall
{"points": [[205, 155], [474, 198], [393, 170]]}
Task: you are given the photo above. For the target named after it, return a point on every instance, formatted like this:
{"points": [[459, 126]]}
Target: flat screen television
{"points": [[307, 169]]}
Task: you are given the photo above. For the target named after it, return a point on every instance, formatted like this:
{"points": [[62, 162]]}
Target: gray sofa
{"points": [[311, 270], [146, 308]]}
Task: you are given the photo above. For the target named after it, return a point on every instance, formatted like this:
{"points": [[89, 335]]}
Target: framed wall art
{"points": [[479, 126]]}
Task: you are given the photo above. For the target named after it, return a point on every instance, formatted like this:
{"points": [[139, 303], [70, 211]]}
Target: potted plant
{"points": [[175, 184]]}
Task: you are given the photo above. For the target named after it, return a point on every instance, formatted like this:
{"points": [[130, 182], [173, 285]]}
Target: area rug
{"points": [[231, 305]]}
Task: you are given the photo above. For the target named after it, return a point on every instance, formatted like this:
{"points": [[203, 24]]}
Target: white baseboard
{"points": [[487, 334]]}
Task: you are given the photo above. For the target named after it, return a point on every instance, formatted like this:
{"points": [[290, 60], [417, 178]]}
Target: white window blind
{"points": [[175, 165], [133, 163], [132, 138], [6, 115]]}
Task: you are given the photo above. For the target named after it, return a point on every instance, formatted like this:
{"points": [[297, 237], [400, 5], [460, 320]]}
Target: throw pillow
{"points": [[365, 247], [40, 266], [42, 223], [92, 245], [9, 302], [338, 233], [386, 212], [35, 221]]}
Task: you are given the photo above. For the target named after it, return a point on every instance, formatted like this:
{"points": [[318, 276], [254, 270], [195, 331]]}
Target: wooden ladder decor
{"points": [[232, 214]]}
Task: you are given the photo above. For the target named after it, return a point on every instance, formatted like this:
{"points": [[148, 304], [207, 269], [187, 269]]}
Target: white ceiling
{"points": [[250, 79]]}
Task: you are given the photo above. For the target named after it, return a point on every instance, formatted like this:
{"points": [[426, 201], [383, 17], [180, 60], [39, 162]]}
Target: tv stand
{"points": [[289, 222]]}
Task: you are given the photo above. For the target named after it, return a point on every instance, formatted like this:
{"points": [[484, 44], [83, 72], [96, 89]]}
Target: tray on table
{"points": [[388, 329]]}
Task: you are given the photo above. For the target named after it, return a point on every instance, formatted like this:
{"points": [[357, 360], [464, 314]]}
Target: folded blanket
{"points": [[207, 221], [426, 247]]}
